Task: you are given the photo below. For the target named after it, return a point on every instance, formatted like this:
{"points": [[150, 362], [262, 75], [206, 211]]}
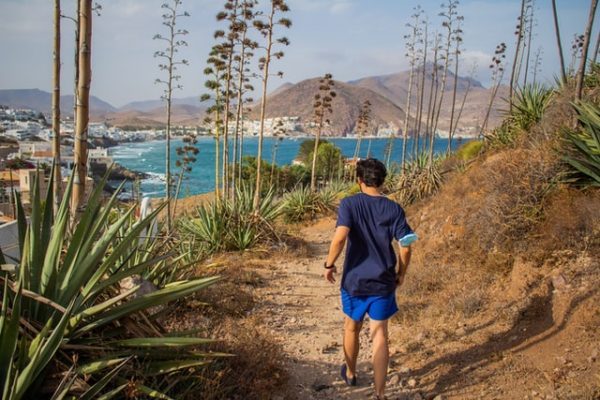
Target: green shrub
{"points": [[64, 312], [583, 147], [469, 150], [592, 78], [300, 205], [528, 108], [419, 180], [530, 104], [231, 225]]}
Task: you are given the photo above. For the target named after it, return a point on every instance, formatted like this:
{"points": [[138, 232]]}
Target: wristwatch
{"points": [[328, 266]]}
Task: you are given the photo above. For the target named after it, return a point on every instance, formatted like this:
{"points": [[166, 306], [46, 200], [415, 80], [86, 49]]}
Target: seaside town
{"points": [[26, 147]]}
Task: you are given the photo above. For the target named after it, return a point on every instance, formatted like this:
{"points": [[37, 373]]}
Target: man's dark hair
{"points": [[371, 171]]}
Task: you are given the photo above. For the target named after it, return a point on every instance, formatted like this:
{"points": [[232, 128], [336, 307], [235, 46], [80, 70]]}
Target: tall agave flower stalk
{"points": [[450, 16], [321, 108], [267, 28], [414, 55]]}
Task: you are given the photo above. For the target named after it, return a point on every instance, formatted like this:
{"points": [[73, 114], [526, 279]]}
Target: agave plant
{"points": [[66, 325], [229, 225], [300, 204], [420, 179], [528, 108], [583, 155], [328, 197], [530, 104]]}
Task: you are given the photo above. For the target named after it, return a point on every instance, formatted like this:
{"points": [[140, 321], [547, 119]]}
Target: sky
{"points": [[350, 39]]}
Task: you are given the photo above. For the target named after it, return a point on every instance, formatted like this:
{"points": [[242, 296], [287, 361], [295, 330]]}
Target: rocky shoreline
{"points": [[117, 172]]}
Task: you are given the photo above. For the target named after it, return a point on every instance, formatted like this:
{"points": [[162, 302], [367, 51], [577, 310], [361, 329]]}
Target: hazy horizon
{"points": [[348, 38]]}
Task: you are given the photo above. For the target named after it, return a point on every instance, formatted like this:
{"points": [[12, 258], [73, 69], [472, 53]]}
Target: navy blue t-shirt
{"points": [[370, 264]]}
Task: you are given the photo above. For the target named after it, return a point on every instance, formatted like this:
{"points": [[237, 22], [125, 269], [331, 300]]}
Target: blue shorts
{"points": [[379, 308]]}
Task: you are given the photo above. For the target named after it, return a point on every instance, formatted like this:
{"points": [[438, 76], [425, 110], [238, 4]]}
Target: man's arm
{"points": [[403, 260], [335, 249]]}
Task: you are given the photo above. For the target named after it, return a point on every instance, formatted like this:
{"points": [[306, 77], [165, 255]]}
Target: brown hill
{"points": [[181, 114], [297, 101], [395, 88]]}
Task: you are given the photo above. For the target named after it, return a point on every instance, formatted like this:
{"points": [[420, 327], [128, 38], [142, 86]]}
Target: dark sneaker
{"points": [[349, 382]]}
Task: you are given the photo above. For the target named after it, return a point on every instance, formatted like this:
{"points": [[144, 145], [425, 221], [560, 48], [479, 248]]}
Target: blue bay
{"points": [[149, 157]]}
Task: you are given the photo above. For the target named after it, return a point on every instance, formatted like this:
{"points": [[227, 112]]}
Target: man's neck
{"points": [[371, 191]]}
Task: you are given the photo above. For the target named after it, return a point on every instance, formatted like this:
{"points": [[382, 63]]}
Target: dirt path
{"points": [[304, 313], [545, 355]]}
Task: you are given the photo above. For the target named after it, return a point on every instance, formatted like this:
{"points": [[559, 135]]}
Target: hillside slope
{"points": [[297, 100], [395, 88], [40, 100]]}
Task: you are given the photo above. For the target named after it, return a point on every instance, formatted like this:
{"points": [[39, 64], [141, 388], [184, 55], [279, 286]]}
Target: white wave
{"points": [[154, 178]]}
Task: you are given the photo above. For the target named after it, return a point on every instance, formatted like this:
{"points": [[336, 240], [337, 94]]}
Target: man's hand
{"points": [[399, 280], [329, 274]]}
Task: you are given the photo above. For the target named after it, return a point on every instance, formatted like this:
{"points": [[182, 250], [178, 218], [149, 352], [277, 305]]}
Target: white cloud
{"points": [[340, 6], [333, 6], [476, 57]]}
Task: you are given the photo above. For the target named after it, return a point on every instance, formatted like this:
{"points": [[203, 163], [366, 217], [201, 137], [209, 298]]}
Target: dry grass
{"points": [[255, 370], [572, 220], [223, 312], [514, 185]]}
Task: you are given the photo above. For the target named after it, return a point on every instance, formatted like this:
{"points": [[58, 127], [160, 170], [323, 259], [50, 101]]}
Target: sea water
{"points": [[149, 157]]}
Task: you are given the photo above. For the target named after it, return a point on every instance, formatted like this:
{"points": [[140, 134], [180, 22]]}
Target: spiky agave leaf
{"points": [[583, 154]]}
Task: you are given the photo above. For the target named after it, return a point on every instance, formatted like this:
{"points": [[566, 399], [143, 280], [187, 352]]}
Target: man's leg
{"points": [[351, 344], [381, 354]]}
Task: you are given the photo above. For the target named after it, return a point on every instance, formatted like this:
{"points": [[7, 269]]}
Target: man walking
{"points": [[370, 222]]}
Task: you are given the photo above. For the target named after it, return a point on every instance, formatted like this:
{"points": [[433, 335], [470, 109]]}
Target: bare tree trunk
{"points": [[529, 35], [422, 94], [168, 155], [596, 49], [515, 61], [226, 130], [432, 100], [563, 73], [407, 114], [443, 87], [586, 46], [427, 126], [169, 96], [492, 98], [460, 111], [241, 145], [76, 65], [273, 161], [178, 188], [263, 107], [313, 172], [238, 114], [536, 63], [357, 146], [217, 149], [453, 107], [57, 189], [83, 96]]}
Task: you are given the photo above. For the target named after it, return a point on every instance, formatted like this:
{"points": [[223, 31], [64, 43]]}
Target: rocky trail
{"points": [[539, 357], [303, 311]]}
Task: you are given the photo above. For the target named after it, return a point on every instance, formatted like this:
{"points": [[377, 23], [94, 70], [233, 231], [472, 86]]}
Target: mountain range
{"points": [[387, 94]]}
